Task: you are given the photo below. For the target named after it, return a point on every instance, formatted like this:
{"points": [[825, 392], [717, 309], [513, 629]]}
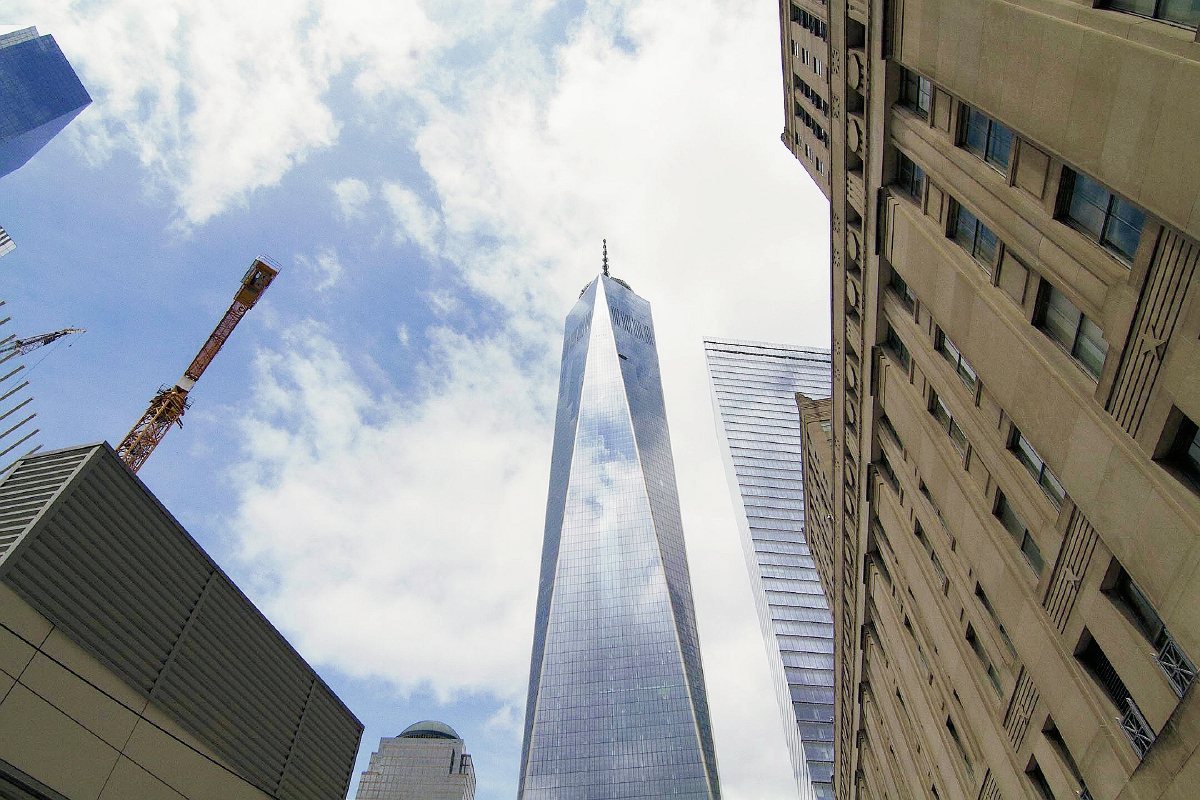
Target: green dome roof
{"points": [[429, 729]]}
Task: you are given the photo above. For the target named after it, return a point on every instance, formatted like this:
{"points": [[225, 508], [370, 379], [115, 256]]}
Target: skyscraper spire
{"points": [[605, 246]]}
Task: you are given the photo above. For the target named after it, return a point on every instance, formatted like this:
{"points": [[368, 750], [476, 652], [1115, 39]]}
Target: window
{"points": [[946, 422], [987, 139], [1023, 450], [1140, 734], [817, 66], [975, 237], [902, 291], [1183, 12], [1059, 319], [1038, 779], [910, 178], [916, 92], [1179, 669], [943, 580], [889, 474], [987, 606], [981, 654], [1102, 215], [897, 347], [1016, 526], [1182, 446], [965, 371], [958, 742]]}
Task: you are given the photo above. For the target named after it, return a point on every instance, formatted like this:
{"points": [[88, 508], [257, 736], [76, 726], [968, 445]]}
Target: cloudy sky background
{"points": [[369, 455]]}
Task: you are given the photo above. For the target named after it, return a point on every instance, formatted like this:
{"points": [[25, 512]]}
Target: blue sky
{"points": [[368, 456]]}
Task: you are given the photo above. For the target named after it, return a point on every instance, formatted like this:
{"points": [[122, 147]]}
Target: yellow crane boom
{"points": [[168, 406]]}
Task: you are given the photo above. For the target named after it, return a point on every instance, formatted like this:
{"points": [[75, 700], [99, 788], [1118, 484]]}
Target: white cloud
{"points": [[417, 223], [351, 195], [325, 265], [218, 99], [384, 525]]}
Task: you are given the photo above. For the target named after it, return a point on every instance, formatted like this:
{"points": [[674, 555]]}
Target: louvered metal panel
{"points": [[87, 545]]}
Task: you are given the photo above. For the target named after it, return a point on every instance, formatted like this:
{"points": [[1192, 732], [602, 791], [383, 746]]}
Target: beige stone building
{"points": [[1013, 482], [805, 55], [132, 667]]}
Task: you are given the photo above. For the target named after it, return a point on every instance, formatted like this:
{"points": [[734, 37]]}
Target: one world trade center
{"points": [[617, 705]]}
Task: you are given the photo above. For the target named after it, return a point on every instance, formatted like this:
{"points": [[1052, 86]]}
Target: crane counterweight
{"points": [[169, 404]]}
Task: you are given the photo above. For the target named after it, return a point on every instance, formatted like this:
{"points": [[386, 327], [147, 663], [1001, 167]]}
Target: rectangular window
{"points": [[897, 347], [958, 742], [946, 422], [981, 654], [910, 178], [1059, 319], [1105, 217], [817, 66], [975, 237], [1181, 446], [965, 371], [1016, 527], [1023, 450], [1181, 12], [987, 606], [902, 291], [988, 139], [889, 474], [916, 92], [1179, 669]]}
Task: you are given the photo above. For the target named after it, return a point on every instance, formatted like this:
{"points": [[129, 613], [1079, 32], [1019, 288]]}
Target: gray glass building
{"points": [[617, 705], [754, 389], [413, 766], [39, 95]]}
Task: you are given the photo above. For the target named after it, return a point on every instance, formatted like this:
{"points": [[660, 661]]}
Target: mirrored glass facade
{"points": [[39, 95], [754, 389], [425, 762], [617, 705]]}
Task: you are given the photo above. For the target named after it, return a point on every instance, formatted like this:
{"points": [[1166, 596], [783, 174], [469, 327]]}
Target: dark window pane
{"points": [[1124, 228], [1143, 7], [1008, 518], [965, 231], [1089, 204], [985, 248], [1000, 145], [977, 133], [1090, 347], [1032, 553], [1185, 12], [1061, 318]]}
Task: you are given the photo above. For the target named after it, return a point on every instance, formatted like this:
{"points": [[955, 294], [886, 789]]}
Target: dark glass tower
{"points": [[617, 706], [39, 95]]}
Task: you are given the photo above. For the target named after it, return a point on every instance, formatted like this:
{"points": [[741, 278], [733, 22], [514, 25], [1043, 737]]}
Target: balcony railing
{"points": [[1178, 667], [1140, 734]]}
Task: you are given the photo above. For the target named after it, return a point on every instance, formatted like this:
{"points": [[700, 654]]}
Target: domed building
{"points": [[427, 761]]}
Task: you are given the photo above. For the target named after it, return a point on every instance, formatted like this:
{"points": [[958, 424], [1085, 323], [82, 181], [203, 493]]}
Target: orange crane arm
{"points": [[168, 406]]}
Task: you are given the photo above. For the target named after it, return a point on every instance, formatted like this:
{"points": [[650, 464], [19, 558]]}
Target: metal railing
{"points": [[1140, 734], [1178, 667]]}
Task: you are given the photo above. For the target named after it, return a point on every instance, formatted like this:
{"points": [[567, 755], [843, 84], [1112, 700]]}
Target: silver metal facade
{"points": [[87, 545], [754, 388], [617, 706]]}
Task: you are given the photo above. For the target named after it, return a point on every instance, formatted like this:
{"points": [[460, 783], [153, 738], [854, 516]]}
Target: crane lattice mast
{"points": [[19, 347], [168, 406]]}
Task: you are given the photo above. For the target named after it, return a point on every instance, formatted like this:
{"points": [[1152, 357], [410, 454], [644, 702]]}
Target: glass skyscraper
{"points": [[754, 390], [39, 95], [617, 706], [427, 761]]}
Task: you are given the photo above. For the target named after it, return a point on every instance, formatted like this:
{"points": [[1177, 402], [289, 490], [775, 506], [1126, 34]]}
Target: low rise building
{"points": [[132, 666]]}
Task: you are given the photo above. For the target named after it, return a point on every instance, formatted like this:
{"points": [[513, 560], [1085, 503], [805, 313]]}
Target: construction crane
{"points": [[18, 347], [168, 406]]}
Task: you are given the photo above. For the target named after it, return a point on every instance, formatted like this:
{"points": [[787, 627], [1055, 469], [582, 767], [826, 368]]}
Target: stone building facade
{"points": [[1014, 476], [805, 54]]}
